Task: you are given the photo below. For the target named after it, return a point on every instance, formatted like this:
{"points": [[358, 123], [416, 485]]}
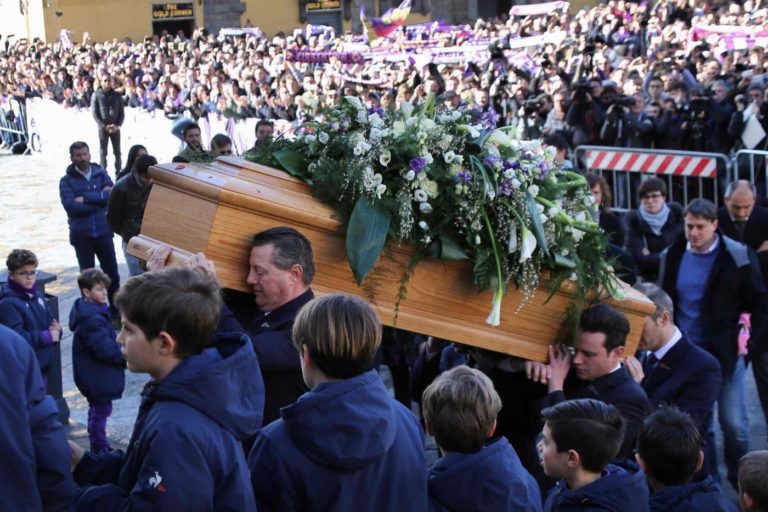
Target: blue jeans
{"points": [[134, 267], [732, 414]]}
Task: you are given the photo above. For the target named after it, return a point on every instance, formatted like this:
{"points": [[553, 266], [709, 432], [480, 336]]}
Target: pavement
{"points": [[31, 217]]}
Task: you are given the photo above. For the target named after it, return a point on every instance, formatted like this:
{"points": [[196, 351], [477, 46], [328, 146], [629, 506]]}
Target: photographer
{"points": [[720, 112], [626, 124], [556, 117], [672, 128], [740, 119], [585, 116], [532, 116]]}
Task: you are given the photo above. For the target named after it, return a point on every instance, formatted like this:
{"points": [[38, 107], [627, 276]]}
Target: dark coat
{"points": [[345, 445], [755, 232], [126, 204], [491, 480], [96, 357], [30, 318], [612, 226], [622, 489], [618, 389], [702, 496], [185, 451], [107, 108], [278, 358], [734, 286], [640, 236], [89, 218], [687, 377], [34, 468]]}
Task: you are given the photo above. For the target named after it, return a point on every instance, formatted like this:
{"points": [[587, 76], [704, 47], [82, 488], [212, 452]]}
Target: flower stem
{"points": [[494, 318]]}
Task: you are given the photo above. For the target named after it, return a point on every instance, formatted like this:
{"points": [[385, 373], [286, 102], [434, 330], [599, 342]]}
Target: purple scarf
{"points": [[18, 288]]}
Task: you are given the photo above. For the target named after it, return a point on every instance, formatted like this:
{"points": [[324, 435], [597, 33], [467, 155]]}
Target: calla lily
{"points": [[528, 246], [512, 246], [500, 138], [494, 318]]}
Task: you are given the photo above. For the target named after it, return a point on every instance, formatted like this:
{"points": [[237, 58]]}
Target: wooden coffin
{"points": [[217, 208]]}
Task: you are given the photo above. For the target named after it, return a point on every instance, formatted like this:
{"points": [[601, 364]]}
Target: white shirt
{"points": [[660, 353], [712, 247]]}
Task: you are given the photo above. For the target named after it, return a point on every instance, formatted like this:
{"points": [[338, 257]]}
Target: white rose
{"points": [[362, 117], [425, 208], [449, 156], [430, 187], [516, 183], [534, 190], [428, 157], [423, 225], [358, 150], [323, 138], [375, 120], [309, 138], [398, 128]]}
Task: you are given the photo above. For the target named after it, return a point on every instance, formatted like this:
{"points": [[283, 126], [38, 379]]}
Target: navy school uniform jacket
{"points": [[491, 480], [89, 218], [345, 445], [622, 488], [34, 467], [96, 356], [703, 496], [30, 318], [185, 452]]}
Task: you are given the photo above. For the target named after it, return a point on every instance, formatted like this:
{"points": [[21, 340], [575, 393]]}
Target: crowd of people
{"points": [[270, 400], [625, 74]]}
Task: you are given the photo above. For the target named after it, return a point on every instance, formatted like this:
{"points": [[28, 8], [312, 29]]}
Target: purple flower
{"points": [[376, 110], [417, 164], [492, 161], [506, 188], [465, 176], [509, 163]]}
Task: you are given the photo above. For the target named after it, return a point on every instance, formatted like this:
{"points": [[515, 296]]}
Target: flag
{"points": [[391, 20]]}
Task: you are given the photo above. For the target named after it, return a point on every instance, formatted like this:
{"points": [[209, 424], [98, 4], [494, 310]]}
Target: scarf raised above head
{"points": [[18, 288], [656, 220]]}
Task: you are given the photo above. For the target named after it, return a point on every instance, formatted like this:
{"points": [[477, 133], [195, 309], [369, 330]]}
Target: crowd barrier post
{"points": [[688, 174], [13, 123], [756, 166]]}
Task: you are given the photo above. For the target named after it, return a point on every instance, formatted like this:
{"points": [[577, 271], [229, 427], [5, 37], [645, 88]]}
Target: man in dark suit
{"points": [[598, 372], [672, 370], [746, 222]]}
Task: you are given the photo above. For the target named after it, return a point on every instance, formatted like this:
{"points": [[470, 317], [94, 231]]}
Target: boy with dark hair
{"points": [[96, 357], [185, 451], [580, 439], [460, 409], [669, 452], [25, 311], [345, 444], [753, 481]]}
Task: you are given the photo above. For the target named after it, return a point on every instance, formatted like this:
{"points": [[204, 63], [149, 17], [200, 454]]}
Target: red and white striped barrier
{"points": [[627, 160]]}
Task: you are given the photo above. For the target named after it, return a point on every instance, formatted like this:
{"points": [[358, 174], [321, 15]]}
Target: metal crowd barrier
{"points": [[689, 174], [750, 164], [13, 122]]}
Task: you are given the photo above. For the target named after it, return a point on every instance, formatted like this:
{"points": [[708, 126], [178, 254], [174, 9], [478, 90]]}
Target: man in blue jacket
{"points": [[346, 444], [34, 467], [204, 398], [669, 452], [674, 371], [712, 280], [84, 192]]}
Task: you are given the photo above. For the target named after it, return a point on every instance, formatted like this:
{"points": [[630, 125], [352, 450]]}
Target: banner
{"points": [[538, 9]]}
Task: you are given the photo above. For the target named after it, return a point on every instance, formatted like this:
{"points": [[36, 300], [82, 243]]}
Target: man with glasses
{"points": [[742, 130]]}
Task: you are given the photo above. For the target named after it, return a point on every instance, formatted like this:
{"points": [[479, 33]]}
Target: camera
{"points": [[624, 101], [532, 106], [581, 91]]}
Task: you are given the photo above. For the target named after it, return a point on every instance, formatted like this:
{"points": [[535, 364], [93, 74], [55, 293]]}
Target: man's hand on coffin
{"points": [[157, 257], [560, 364], [199, 261], [538, 372]]}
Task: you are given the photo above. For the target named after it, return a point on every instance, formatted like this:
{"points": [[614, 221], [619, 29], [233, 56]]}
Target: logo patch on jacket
{"points": [[154, 482]]}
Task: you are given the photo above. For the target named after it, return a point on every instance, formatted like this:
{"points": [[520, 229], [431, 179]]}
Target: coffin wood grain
{"points": [[217, 208]]}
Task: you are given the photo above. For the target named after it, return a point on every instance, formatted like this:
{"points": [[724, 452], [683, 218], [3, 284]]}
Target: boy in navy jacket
{"points": [[581, 438], [96, 356], [460, 409], [202, 400], [25, 311], [753, 481], [345, 444], [669, 452]]}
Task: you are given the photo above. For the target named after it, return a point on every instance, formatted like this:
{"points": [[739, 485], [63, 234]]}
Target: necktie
{"points": [[650, 365], [740, 225]]}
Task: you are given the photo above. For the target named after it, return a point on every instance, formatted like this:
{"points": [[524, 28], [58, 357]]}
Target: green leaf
{"points": [[564, 261], [536, 225], [292, 161], [451, 250], [366, 234]]}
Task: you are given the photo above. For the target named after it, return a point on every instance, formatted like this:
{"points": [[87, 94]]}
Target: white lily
{"points": [[355, 102], [528, 246], [500, 138], [494, 318], [512, 246]]}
